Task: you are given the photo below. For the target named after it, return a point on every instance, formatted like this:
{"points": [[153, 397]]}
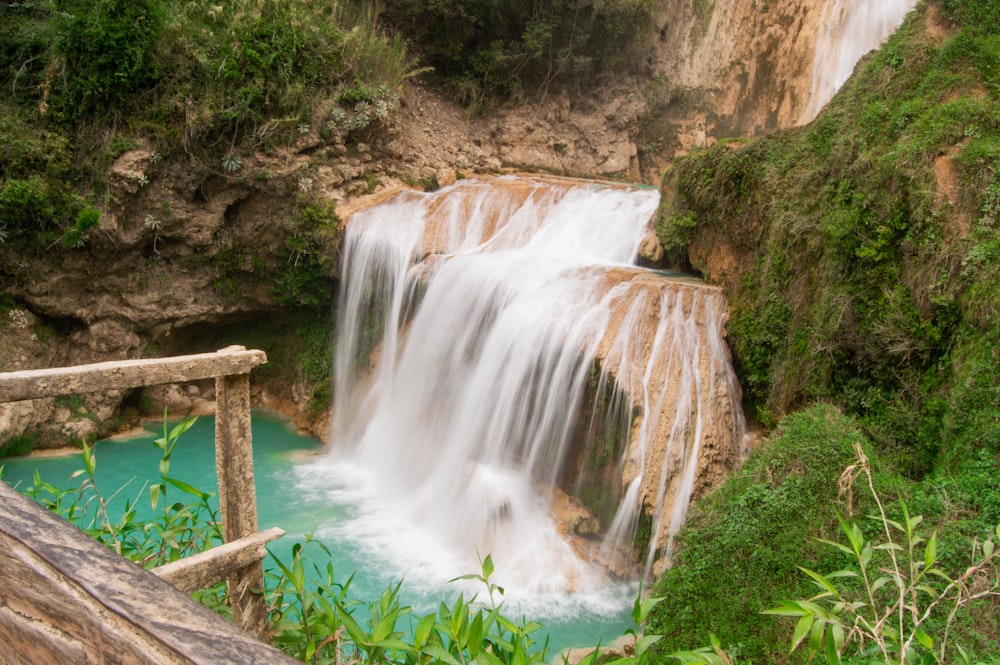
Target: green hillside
{"points": [[861, 257]]}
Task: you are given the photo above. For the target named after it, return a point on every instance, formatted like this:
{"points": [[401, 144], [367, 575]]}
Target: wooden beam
{"points": [[238, 496], [65, 598], [121, 374], [204, 569]]}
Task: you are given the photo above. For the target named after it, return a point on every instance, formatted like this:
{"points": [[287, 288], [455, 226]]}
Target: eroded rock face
{"points": [[183, 244]]}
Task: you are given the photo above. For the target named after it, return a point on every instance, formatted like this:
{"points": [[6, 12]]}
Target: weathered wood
{"points": [[64, 598], [121, 374], [238, 496], [204, 569]]}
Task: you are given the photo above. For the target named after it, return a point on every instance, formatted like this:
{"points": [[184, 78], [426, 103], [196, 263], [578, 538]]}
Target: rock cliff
{"points": [[187, 251]]}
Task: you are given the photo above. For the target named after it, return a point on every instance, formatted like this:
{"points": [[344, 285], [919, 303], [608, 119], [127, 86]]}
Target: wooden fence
{"points": [[65, 598]]}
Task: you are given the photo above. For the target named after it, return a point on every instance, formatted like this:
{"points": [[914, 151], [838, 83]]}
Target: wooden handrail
{"points": [[120, 374], [202, 570], [233, 443]]}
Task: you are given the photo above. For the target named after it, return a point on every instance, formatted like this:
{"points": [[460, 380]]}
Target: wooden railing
{"points": [[81, 576]]}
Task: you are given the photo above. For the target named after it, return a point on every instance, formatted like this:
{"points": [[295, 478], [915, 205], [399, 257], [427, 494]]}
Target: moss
{"points": [[739, 551], [19, 445], [853, 283], [857, 282]]}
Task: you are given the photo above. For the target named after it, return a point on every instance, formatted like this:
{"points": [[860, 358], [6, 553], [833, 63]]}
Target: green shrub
{"points": [[488, 50], [108, 49], [739, 551], [304, 276]]}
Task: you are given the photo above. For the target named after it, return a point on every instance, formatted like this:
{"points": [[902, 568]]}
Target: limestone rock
{"points": [[650, 248], [170, 396]]}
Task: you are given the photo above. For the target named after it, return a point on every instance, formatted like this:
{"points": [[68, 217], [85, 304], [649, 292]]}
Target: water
{"points": [[475, 322], [849, 29], [499, 354], [279, 455]]}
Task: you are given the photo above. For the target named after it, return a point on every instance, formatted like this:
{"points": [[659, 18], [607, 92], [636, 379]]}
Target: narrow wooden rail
{"points": [[119, 374], [239, 560]]}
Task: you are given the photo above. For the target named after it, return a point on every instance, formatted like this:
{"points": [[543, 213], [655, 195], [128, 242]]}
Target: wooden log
{"points": [[204, 569], [65, 598], [121, 374], [238, 496]]}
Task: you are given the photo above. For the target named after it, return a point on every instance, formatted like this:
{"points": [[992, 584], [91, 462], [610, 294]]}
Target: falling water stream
{"points": [[849, 29], [475, 325], [508, 383]]}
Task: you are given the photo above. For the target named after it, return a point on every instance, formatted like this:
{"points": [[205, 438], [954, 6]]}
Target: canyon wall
{"points": [[186, 250]]}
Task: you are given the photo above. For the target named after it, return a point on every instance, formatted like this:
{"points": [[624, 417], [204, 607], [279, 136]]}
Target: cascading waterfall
{"points": [[476, 324], [848, 30]]}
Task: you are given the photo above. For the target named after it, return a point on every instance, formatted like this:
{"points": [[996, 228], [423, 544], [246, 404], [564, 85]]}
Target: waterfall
{"points": [[848, 30], [498, 351]]}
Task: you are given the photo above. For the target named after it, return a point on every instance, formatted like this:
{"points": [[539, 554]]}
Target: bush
{"points": [[740, 550], [32, 211], [108, 49], [308, 256], [486, 50]]}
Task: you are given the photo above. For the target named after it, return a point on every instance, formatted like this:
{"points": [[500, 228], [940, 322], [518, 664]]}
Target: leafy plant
{"points": [[177, 530], [887, 601], [108, 52], [487, 51], [640, 648]]}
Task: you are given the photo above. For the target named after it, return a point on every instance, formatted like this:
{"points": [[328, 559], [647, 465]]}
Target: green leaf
{"points": [[645, 642], [182, 427], [929, 590], [188, 489], [820, 581], [801, 630], [298, 577], [838, 637], [89, 459], [787, 608], [832, 655], [843, 548], [395, 644], [384, 627], [357, 634], [866, 556], [924, 639], [930, 552], [475, 635], [816, 636], [439, 653], [154, 495], [880, 582], [488, 566], [423, 630], [645, 607]]}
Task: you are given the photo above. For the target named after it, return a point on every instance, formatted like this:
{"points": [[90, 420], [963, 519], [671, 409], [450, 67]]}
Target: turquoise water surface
{"points": [[128, 465]]}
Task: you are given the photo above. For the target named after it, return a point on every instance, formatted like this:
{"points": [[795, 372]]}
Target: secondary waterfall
{"points": [[509, 383], [849, 29]]}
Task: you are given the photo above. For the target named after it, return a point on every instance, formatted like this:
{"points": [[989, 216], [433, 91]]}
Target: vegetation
{"points": [[83, 82], [742, 554], [864, 277], [863, 296], [490, 50], [862, 302]]}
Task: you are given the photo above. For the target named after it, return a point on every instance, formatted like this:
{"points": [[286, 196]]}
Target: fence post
{"points": [[238, 497]]}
